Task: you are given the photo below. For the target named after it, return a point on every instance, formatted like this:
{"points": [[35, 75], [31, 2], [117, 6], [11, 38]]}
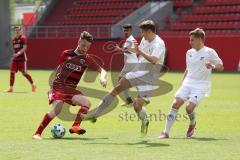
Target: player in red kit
{"points": [[72, 65], [19, 59]]}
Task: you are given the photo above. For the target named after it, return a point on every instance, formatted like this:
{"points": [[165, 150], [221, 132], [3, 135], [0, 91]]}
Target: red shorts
{"points": [[18, 66], [63, 95]]}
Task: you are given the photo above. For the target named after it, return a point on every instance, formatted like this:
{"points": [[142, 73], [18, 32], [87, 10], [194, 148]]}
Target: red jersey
{"points": [[71, 68], [18, 43]]}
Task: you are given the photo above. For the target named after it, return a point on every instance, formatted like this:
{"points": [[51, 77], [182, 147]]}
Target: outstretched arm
{"points": [[102, 78], [136, 50]]}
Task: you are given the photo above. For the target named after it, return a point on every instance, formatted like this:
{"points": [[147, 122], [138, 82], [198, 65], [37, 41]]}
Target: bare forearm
{"points": [[22, 50], [151, 59], [103, 74], [219, 68]]}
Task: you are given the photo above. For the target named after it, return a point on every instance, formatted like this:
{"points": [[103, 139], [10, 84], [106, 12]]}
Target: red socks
{"points": [[12, 78], [46, 120], [78, 120]]}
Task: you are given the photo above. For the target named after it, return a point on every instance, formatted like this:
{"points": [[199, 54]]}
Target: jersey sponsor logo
{"points": [[201, 58], [74, 67], [16, 45]]}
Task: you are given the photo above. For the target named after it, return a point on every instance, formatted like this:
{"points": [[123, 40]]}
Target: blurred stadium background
{"points": [[55, 25]]}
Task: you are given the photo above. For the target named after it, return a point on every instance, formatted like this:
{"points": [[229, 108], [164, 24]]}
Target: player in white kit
{"points": [[196, 84], [130, 59], [144, 76]]}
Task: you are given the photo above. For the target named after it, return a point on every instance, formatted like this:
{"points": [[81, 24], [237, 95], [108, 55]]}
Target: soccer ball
{"points": [[58, 130]]}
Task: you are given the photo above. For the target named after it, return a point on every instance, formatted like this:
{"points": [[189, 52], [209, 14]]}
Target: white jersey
{"points": [[130, 57], [146, 70], [154, 48], [198, 76]]}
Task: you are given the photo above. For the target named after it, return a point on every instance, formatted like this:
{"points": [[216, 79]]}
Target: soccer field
{"points": [[117, 135]]}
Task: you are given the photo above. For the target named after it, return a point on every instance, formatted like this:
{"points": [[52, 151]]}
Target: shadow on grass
{"points": [[76, 138], [17, 92], [141, 144], [203, 139]]}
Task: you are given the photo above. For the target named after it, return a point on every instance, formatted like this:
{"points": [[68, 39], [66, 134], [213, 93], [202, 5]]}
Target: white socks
{"points": [[106, 101], [192, 118], [142, 115], [170, 120]]}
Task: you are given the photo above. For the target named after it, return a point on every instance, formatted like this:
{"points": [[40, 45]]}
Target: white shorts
{"points": [[128, 67], [191, 94], [143, 88]]}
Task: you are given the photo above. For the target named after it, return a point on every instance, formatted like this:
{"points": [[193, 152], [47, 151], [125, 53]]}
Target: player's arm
{"points": [[218, 67], [215, 62], [150, 58], [24, 41], [21, 51], [122, 50], [97, 67], [118, 49], [102, 78]]}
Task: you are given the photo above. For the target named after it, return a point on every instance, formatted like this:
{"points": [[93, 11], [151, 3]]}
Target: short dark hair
{"points": [[87, 36], [148, 25], [198, 33], [17, 27], [127, 26]]}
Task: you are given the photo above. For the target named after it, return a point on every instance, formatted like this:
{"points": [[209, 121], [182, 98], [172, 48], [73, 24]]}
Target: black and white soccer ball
{"points": [[58, 130]]}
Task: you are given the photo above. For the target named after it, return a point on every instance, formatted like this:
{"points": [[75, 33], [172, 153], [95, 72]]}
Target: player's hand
{"points": [[210, 66], [135, 49], [103, 82], [117, 48], [15, 55]]}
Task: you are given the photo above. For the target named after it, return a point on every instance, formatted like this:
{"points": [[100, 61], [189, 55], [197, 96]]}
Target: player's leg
{"points": [[82, 101], [142, 114], [194, 99], [180, 96], [190, 109], [23, 69], [13, 70], [127, 96], [122, 85], [48, 117]]}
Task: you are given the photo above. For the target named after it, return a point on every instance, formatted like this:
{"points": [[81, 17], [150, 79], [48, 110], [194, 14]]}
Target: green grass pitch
{"points": [[115, 137]]}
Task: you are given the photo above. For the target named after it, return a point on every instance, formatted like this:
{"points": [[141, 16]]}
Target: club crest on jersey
{"points": [[201, 58], [82, 61], [74, 67], [150, 50]]}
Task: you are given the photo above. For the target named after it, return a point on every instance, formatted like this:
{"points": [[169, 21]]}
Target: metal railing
{"points": [[67, 31]]}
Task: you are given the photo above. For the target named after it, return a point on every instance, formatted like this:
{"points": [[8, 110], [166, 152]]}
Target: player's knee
{"points": [[24, 73], [81, 101], [57, 108], [86, 103], [190, 108], [177, 103], [116, 90]]}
